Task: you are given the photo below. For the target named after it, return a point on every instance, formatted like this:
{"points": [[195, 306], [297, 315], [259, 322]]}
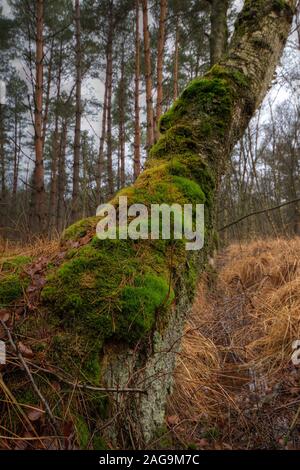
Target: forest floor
{"points": [[236, 385]]}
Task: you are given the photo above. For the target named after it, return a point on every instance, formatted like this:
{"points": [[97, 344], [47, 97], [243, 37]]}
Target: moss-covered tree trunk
{"points": [[115, 310]]}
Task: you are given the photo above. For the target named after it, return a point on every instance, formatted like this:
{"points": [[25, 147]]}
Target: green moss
{"points": [[190, 189], [79, 229], [82, 432], [11, 288], [206, 103], [177, 139], [13, 279], [279, 5], [230, 74], [99, 443], [163, 438], [140, 304], [26, 396], [78, 354], [105, 306], [16, 263]]}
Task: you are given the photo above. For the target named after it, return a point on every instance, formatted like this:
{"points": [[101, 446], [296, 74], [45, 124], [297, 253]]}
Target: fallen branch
{"points": [[261, 211], [86, 386]]}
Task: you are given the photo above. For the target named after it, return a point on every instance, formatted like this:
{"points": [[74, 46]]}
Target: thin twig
{"points": [[86, 386], [261, 211], [35, 387]]}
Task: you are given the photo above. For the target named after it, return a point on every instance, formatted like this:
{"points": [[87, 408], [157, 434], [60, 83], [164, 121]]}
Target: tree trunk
{"points": [[62, 178], [122, 105], [100, 165], [160, 60], [219, 30], [16, 158], [38, 203], [130, 298], [2, 169], [110, 177], [48, 90], [55, 156], [148, 77], [137, 132], [176, 60], [76, 161]]}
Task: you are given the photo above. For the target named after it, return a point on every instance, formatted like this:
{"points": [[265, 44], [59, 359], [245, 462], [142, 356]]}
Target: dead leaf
{"points": [[4, 315], [35, 414], [26, 351], [203, 443], [172, 420]]}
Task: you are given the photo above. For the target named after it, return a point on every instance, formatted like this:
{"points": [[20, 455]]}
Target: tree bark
{"points": [[160, 60], [16, 156], [137, 132], [110, 176], [38, 203], [77, 137], [2, 169], [122, 105], [61, 180], [176, 59], [102, 139], [219, 30], [148, 77], [55, 155], [48, 90]]}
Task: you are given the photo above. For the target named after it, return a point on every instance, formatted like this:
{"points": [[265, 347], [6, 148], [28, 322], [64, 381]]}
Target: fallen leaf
{"points": [[26, 351], [203, 443], [172, 420], [4, 315], [35, 415]]}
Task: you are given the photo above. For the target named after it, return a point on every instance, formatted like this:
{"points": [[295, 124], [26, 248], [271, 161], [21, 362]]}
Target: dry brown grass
{"points": [[269, 273], [36, 248], [239, 339]]}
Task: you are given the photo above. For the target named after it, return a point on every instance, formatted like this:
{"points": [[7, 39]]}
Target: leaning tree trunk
{"points": [[118, 306], [219, 30]]}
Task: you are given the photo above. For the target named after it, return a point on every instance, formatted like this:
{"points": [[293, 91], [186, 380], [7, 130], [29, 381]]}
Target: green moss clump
{"points": [[79, 229], [11, 288], [13, 281], [141, 301], [177, 139], [206, 103], [99, 443], [78, 354], [236, 77], [105, 306], [82, 432], [190, 189], [163, 438], [15, 263]]}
